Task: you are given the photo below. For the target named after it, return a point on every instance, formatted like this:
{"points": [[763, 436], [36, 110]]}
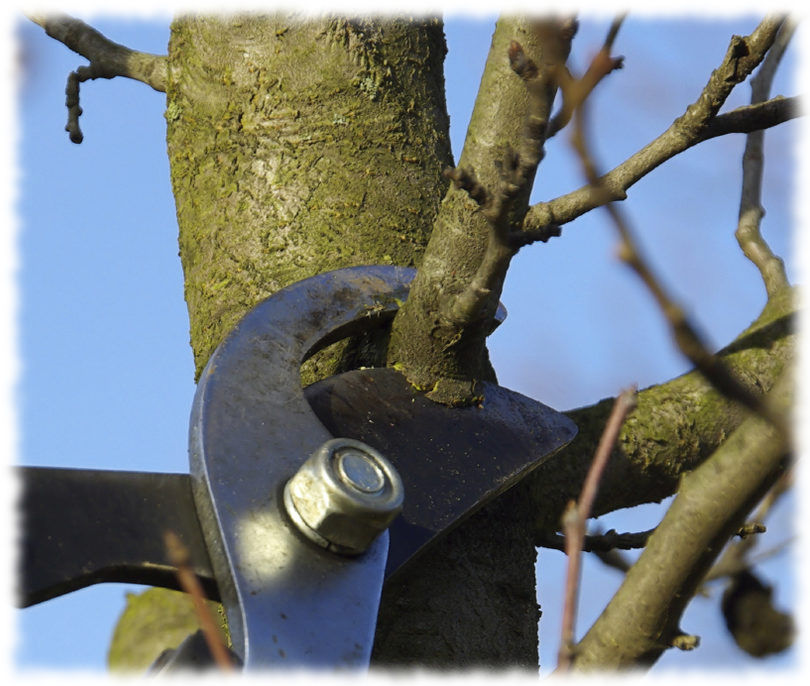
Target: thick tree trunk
{"points": [[297, 148]]}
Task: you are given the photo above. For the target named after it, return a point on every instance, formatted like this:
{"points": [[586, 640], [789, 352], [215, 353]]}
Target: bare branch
{"points": [[676, 426], [577, 514], [500, 203], [755, 117], [178, 554], [748, 234], [729, 566], [606, 547], [575, 91], [641, 621], [662, 630], [693, 127], [684, 333], [596, 543], [462, 262], [613, 559], [689, 342], [112, 58], [107, 60]]}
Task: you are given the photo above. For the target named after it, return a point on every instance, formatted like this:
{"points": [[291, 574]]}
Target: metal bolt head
{"points": [[357, 470], [344, 496]]}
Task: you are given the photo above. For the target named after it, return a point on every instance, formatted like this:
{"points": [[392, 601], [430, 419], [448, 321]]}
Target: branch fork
{"points": [[107, 60], [499, 205]]}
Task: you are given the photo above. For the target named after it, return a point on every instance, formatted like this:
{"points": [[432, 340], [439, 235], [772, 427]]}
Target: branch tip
{"points": [[751, 529], [685, 642], [107, 60]]}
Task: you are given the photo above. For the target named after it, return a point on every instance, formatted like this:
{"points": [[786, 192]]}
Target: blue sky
{"points": [[106, 373]]}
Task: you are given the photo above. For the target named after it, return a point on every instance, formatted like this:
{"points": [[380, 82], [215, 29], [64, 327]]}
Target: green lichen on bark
{"points": [[288, 162], [675, 426]]}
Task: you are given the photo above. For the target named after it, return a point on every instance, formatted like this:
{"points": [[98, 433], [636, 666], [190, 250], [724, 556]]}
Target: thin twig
{"points": [[107, 60], [729, 567], [614, 559], [594, 543], [699, 123], [684, 333], [749, 236], [179, 557], [737, 556], [749, 118], [578, 90], [623, 405], [576, 515]]}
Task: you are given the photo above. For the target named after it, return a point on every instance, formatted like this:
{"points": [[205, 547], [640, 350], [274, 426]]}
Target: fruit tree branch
{"points": [[699, 123], [753, 245], [642, 619], [107, 60]]}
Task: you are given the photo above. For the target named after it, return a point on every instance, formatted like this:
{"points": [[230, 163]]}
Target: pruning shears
{"points": [[299, 503]]}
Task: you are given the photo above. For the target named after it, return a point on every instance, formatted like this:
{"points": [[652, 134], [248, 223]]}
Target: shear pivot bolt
{"points": [[358, 470], [344, 496]]}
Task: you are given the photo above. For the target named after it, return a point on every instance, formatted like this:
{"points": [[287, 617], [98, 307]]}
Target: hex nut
{"points": [[344, 496]]}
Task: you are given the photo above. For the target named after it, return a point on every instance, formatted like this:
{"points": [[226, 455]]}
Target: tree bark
{"points": [[288, 161]]}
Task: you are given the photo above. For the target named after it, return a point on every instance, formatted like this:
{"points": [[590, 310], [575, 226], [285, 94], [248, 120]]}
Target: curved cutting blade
{"points": [[288, 602]]}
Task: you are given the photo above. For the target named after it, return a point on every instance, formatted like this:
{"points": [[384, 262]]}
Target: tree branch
{"points": [[642, 619], [107, 60], [736, 557], [697, 124], [748, 234], [179, 556], [674, 428], [601, 65], [576, 515], [754, 117], [438, 337], [683, 331], [651, 452], [596, 543], [685, 334], [499, 204]]}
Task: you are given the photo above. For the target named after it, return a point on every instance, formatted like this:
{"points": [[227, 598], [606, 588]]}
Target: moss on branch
{"points": [[642, 620], [674, 428]]}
